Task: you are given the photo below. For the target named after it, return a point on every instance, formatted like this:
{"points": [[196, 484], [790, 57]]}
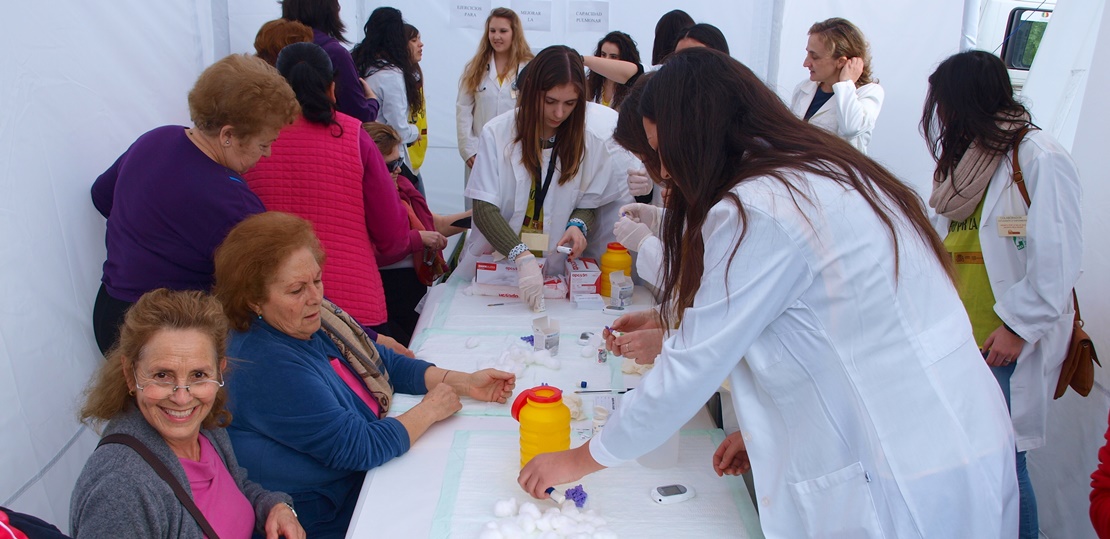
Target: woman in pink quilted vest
{"points": [[328, 171]]}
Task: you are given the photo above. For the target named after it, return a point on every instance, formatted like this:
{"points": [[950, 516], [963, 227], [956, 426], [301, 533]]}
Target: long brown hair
{"points": [[628, 52], [158, 310], [845, 39], [519, 51], [731, 129], [554, 66]]}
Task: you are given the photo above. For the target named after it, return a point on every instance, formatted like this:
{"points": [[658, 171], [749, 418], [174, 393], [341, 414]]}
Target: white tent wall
{"points": [[81, 81], [86, 78], [1062, 77]]}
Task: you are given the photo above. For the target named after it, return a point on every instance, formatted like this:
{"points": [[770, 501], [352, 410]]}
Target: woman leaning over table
{"points": [[488, 86], [1016, 287], [809, 276], [163, 386], [540, 170], [311, 395], [170, 199]]}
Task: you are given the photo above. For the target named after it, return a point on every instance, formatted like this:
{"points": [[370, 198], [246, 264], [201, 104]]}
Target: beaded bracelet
{"points": [[517, 251], [580, 224]]}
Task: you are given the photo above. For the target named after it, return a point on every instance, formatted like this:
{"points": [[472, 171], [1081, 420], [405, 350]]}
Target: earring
{"points": [[260, 316], [131, 392], [227, 142]]}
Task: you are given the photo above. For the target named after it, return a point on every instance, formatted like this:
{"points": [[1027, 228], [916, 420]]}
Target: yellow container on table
{"points": [[615, 258], [544, 422]]}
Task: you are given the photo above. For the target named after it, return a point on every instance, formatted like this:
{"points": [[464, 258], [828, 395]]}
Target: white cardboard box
{"points": [[501, 272], [583, 276]]}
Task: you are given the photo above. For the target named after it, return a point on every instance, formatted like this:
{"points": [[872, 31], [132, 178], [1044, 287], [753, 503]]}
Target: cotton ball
{"points": [[550, 535], [561, 523], [552, 513], [594, 342], [541, 357], [510, 530], [491, 531], [526, 523], [530, 509], [473, 342], [552, 363], [588, 351], [629, 366], [569, 509], [543, 523], [580, 535], [505, 508], [574, 402]]}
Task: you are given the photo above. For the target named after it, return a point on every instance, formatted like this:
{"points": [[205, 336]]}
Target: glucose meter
{"points": [[671, 494]]}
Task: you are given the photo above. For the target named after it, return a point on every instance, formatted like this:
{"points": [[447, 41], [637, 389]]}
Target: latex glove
{"points": [[639, 184], [530, 281], [630, 233], [651, 216]]}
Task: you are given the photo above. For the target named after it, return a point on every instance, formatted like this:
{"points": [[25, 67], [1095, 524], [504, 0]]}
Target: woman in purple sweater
{"points": [[173, 195]]}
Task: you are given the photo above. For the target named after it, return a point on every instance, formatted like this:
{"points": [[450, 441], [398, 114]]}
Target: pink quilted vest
{"points": [[318, 176]]}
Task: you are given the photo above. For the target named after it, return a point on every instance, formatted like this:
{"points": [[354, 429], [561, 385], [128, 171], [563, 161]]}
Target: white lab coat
{"points": [[1032, 284], [388, 84], [501, 179], [602, 121], [474, 110], [865, 406], [849, 114]]}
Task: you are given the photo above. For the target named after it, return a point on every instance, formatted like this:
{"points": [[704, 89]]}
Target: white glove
{"points": [[530, 280], [651, 216], [639, 184], [630, 233]]}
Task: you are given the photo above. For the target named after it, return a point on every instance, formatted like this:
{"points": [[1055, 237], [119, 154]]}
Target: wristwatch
{"points": [[290, 506]]}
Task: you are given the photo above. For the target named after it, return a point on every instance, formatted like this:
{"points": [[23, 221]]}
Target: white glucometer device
{"points": [[671, 494]]}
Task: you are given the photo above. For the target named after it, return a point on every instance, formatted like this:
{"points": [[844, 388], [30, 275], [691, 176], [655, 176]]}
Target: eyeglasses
{"points": [[161, 389], [394, 164]]}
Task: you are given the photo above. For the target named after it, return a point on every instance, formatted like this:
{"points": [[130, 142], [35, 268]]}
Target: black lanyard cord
{"points": [[541, 193]]}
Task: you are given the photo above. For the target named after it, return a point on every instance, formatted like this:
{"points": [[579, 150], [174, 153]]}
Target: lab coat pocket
{"points": [[838, 504]]}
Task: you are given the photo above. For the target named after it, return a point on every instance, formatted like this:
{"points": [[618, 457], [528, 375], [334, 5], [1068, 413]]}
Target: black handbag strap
{"points": [[167, 476], [1019, 180]]}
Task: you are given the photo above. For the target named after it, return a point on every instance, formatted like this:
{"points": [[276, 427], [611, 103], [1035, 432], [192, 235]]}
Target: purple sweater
{"points": [[168, 207], [350, 98]]}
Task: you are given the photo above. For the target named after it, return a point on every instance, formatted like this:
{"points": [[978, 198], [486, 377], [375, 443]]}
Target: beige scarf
{"points": [[957, 195], [359, 352]]}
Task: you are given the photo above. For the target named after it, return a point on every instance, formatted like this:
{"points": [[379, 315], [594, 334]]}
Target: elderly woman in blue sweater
{"points": [[311, 394]]}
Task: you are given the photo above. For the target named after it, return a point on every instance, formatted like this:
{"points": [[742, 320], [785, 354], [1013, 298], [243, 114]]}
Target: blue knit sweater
{"points": [[299, 429]]}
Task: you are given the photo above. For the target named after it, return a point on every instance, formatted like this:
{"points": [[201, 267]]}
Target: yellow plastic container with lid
{"points": [[544, 422], [615, 258]]}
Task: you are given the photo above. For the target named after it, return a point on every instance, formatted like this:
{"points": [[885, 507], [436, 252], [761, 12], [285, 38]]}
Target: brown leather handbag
{"points": [[1078, 370]]}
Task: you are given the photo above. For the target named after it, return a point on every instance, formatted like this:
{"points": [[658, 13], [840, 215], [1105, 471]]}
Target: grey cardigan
{"points": [[119, 495]]}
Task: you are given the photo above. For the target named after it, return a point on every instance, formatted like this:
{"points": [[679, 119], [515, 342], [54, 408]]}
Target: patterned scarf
{"points": [[359, 352], [956, 196]]}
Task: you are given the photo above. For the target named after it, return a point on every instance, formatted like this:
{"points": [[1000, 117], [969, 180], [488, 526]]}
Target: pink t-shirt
{"points": [[355, 384], [216, 494]]}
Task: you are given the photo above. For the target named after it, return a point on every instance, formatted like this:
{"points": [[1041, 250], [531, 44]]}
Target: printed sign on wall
{"points": [[469, 13], [534, 14], [584, 16]]}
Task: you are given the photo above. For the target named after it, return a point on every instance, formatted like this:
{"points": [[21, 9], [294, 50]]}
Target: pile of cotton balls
{"points": [[526, 520], [515, 358]]}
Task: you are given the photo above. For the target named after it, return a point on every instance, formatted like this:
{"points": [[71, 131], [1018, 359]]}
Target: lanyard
{"points": [[541, 193]]}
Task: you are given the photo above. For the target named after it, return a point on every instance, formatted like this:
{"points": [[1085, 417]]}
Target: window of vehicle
{"points": [[1024, 31]]}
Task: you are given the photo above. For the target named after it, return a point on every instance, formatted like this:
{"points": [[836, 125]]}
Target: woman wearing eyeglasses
{"points": [[162, 386], [327, 170]]}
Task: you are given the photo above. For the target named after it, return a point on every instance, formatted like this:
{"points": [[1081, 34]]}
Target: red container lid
{"points": [[538, 394], [616, 247]]}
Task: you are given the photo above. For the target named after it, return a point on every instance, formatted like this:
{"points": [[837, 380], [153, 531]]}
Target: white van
{"points": [[1012, 29]]}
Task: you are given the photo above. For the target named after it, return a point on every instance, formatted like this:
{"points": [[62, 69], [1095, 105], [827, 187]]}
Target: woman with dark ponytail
{"points": [[328, 171], [809, 277]]}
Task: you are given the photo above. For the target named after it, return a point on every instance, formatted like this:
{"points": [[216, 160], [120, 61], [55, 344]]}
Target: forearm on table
{"points": [[494, 227], [438, 375], [444, 226]]}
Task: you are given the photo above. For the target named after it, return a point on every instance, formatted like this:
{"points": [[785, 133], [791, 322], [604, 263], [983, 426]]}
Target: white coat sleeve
{"points": [[649, 261], [856, 110], [737, 301], [602, 182], [1054, 244], [464, 123], [389, 85], [485, 178]]}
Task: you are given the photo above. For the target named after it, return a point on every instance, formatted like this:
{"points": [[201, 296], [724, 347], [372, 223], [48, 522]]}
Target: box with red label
{"points": [[583, 276], [501, 272]]}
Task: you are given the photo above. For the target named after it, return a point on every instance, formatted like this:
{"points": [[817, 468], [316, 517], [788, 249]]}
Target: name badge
{"points": [[534, 241], [1011, 226], [513, 92]]}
